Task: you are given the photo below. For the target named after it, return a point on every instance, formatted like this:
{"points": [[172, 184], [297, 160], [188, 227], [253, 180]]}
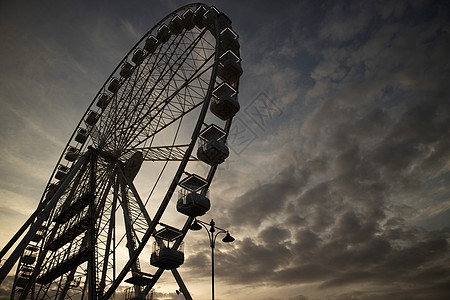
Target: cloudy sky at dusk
{"points": [[337, 186]]}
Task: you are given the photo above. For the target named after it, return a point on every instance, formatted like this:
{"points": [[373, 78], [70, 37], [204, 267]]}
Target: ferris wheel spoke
{"points": [[67, 284], [165, 153], [168, 68], [114, 111], [151, 70], [115, 114], [155, 103], [150, 129]]}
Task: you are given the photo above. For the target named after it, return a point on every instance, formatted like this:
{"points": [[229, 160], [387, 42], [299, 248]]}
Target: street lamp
{"points": [[212, 235]]}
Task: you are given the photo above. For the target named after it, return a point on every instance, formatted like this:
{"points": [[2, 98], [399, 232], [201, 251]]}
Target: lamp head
{"points": [[228, 238]]}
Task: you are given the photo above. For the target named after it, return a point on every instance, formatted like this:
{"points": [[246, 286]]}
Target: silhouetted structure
{"points": [[151, 111]]}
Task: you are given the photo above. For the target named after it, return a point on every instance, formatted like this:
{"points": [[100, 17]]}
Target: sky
{"points": [[337, 186]]}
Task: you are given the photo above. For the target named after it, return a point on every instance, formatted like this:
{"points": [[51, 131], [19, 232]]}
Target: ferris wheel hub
{"points": [[111, 157]]}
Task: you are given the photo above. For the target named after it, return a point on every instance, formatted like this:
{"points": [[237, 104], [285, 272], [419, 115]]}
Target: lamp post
{"points": [[213, 232]]}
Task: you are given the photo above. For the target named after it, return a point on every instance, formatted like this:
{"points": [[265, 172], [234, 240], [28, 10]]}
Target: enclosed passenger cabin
{"points": [[138, 56], [28, 259], [37, 237], [26, 269], [176, 26], [212, 148], [224, 104], [81, 136], [190, 201], [92, 118], [199, 17], [22, 281], [213, 152], [72, 153], [51, 189], [229, 41], [209, 19], [163, 256], [103, 101], [229, 67], [127, 70], [192, 204], [30, 254], [188, 20], [163, 33], [151, 43], [223, 21], [62, 172], [114, 85]]}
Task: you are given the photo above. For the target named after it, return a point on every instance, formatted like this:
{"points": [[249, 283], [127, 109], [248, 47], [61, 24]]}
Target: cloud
{"points": [[131, 30], [5, 292], [267, 200]]}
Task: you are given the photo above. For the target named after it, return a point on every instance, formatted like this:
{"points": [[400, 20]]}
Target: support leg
{"points": [[181, 284]]}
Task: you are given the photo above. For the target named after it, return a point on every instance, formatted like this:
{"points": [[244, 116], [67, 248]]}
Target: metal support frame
{"points": [[181, 284], [175, 273], [130, 233], [92, 276], [42, 215]]}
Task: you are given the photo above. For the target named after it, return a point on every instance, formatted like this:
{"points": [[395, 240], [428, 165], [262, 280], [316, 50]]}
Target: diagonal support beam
{"points": [[181, 284], [136, 195], [175, 273], [164, 153], [12, 259]]}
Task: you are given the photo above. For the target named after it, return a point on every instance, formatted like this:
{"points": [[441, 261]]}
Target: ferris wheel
{"points": [[164, 111]]}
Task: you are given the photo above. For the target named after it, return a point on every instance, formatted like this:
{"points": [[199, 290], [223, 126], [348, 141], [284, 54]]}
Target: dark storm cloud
{"points": [[423, 127], [200, 261], [379, 135], [268, 199], [274, 235]]}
